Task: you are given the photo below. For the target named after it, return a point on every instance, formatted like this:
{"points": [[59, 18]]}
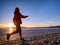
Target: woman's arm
{"points": [[24, 16]]}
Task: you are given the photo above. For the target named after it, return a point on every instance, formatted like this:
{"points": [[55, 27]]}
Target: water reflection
{"points": [[10, 30]]}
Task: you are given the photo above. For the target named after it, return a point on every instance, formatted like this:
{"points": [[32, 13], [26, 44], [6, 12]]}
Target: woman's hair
{"points": [[16, 9]]}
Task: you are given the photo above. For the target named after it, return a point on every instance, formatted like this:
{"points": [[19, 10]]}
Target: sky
{"points": [[41, 13]]}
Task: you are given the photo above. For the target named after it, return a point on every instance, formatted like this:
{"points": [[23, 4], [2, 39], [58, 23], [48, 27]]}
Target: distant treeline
{"points": [[54, 27]]}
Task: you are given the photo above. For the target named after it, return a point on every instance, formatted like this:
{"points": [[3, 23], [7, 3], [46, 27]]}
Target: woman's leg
{"points": [[8, 35], [20, 32], [15, 31]]}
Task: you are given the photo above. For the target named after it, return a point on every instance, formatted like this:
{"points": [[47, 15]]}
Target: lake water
{"points": [[28, 32]]}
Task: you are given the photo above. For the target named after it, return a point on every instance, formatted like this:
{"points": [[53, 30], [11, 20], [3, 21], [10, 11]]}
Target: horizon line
{"points": [[34, 27]]}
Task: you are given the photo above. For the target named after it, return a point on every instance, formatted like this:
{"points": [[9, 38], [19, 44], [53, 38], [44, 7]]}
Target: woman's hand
{"points": [[26, 16]]}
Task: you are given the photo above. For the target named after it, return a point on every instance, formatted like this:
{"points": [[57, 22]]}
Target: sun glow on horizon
{"points": [[10, 25], [10, 30]]}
